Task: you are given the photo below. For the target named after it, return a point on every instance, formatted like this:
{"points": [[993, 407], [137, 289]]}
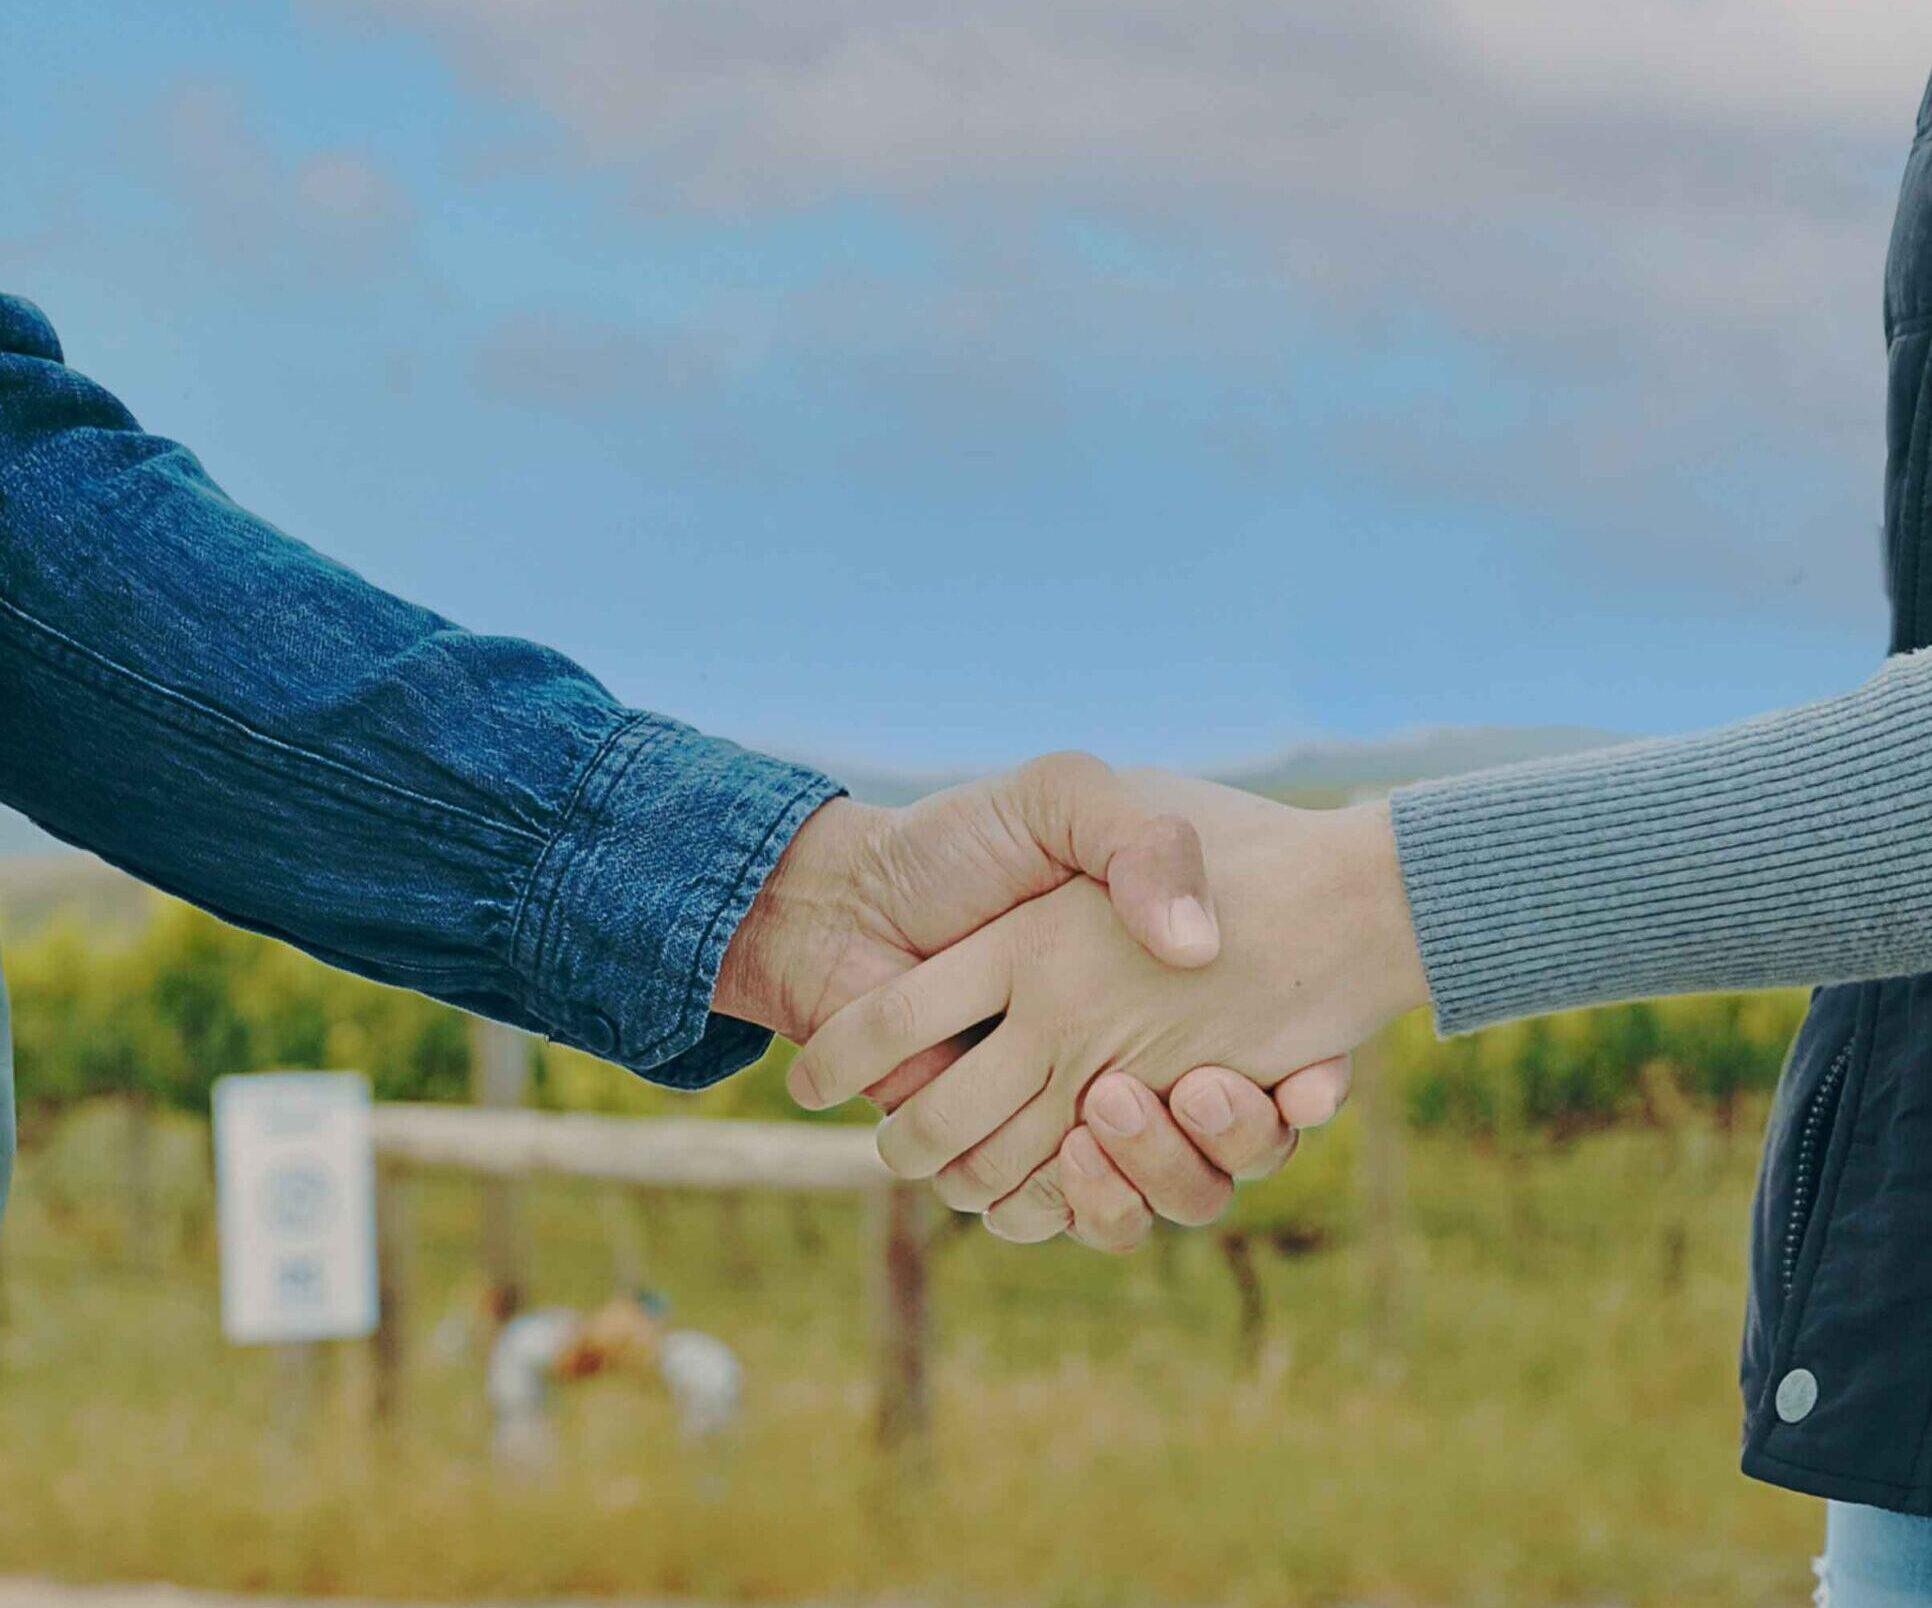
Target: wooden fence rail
{"points": [[668, 1153], [661, 1152]]}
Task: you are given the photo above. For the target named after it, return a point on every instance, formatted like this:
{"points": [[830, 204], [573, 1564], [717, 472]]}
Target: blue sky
{"points": [[927, 386]]}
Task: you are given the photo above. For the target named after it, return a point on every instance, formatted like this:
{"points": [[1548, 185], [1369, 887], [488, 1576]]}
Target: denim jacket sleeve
{"points": [[228, 715]]}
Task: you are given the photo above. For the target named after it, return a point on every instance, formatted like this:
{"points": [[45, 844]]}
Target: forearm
{"points": [[227, 714], [1795, 848]]}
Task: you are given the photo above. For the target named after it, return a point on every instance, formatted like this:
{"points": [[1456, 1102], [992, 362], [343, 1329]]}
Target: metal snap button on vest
{"points": [[1797, 1394]]}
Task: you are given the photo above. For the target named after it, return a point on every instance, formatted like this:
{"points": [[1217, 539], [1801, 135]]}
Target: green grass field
{"points": [[1549, 1418]]}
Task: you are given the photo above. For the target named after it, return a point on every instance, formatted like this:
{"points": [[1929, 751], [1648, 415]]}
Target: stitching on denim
{"points": [[539, 867], [359, 965], [599, 788], [731, 897], [228, 732]]}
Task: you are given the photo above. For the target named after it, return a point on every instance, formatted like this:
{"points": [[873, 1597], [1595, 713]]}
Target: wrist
{"points": [[1400, 983], [778, 965]]}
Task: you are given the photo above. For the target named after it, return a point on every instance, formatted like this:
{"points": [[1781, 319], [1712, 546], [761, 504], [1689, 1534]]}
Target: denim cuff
{"points": [[666, 843]]}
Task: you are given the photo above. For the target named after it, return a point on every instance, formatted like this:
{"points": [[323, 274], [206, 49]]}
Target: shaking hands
{"points": [[1068, 1028]]}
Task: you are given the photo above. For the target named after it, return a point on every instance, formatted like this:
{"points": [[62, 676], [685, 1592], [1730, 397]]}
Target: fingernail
{"points": [[1114, 1109], [1085, 1155], [1309, 1104], [798, 1081], [1208, 1109], [1189, 925]]}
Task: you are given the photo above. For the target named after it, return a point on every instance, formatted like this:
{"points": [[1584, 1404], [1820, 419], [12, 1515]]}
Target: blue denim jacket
{"points": [[236, 719]]}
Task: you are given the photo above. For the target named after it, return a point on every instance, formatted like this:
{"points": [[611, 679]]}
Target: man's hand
{"points": [[1135, 1158]]}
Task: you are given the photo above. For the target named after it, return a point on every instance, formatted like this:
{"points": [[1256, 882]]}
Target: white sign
{"points": [[295, 1187]]}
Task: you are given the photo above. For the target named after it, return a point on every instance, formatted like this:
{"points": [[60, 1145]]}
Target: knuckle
{"points": [[956, 1195], [936, 1124], [1118, 1218], [922, 1137], [1020, 1222], [1067, 768], [1116, 1238], [893, 1015], [1173, 836], [972, 1183], [804, 1080], [1043, 1191], [1038, 1210], [1002, 1225]]}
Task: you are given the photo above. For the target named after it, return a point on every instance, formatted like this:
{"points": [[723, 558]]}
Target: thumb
{"points": [[1092, 821], [1158, 883], [1310, 1097]]}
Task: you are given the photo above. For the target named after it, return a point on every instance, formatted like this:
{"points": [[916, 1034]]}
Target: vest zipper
{"points": [[1812, 1139]]}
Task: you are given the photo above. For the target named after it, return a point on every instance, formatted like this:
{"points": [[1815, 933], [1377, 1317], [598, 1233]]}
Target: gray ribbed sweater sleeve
{"points": [[1794, 848]]}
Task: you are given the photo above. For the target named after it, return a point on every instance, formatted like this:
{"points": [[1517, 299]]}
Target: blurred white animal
{"points": [[529, 1352], [537, 1350], [702, 1375]]}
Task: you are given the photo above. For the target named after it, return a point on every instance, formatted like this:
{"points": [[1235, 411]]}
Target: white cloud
{"points": [[1575, 175], [326, 214], [1669, 213], [798, 98]]}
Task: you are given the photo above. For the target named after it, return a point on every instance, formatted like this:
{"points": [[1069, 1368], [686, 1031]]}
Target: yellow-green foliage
{"points": [[189, 998], [104, 1160], [1585, 1069]]}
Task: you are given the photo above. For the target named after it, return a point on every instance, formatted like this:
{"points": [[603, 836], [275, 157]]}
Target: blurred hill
{"points": [[18, 835], [34, 888], [41, 877], [1326, 769], [1346, 766]]}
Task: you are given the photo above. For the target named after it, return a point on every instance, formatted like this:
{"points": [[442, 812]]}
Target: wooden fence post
{"points": [[138, 1235], [394, 1270], [1237, 1248], [903, 1315], [629, 1269], [1382, 1167], [298, 1370], [733, 1242], [500, 1078]]}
